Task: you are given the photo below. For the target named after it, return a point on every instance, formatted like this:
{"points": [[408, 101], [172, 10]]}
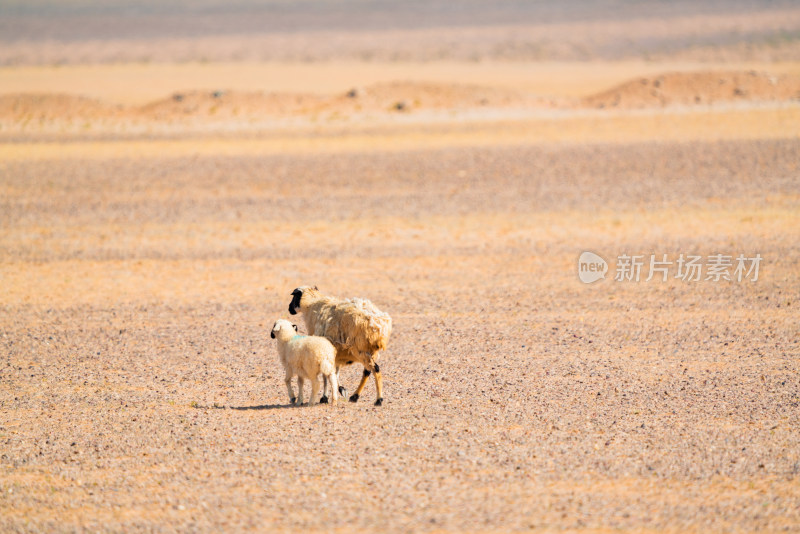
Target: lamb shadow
{"points": [[263, 407]]}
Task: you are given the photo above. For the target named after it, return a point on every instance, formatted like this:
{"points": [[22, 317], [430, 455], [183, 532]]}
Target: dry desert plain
{"points": [[151, 233]]}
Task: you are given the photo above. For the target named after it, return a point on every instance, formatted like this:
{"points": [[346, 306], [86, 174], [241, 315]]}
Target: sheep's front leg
{"points": [[314, 391], [324, 398], [342, 358], [292, 398], [300, 383], [342, 389]]}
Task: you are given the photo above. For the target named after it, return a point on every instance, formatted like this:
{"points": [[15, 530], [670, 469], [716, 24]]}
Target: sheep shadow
{"points": [[264, 407]]}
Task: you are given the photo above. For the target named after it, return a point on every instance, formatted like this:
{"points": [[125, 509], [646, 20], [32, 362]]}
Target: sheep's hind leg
{"points": [[354, 397], [378, 385], [324, 398], [368, 369]]}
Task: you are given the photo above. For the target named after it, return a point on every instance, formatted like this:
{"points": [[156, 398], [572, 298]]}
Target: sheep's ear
{"points": [[276, 328], [316, 288], [295, 327]]}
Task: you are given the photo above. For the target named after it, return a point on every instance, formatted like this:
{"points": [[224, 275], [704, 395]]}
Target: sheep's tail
{"points": [[378, 321], [353, 325]]}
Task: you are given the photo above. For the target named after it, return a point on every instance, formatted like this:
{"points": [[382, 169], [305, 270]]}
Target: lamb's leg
{"points": [[354, 397], [324, 398], [292, 398], [334, 388], [314, 391], [300, 382]]}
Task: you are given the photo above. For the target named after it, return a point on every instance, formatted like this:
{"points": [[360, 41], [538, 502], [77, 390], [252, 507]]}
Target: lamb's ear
{"points": [[316, 288], [295, 327]]}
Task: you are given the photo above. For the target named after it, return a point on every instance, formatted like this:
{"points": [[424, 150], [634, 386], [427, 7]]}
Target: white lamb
{"points": [[305, 357]]}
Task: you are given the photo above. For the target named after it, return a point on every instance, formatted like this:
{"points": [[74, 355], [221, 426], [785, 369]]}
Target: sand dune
{"points": [[699, 88], [378, 98], [27, 111]]}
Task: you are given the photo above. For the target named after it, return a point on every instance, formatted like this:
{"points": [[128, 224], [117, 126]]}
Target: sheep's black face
{"points": [[272, 335], [296, 296]]}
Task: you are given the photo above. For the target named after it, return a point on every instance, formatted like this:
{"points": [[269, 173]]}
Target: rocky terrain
{"points": [[140, 389]]}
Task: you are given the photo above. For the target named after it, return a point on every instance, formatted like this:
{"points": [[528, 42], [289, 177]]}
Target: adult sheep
{"points": [[356, 327]]}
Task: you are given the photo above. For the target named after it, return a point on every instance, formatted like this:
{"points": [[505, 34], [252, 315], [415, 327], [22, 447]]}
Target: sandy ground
{"points": [[141, 390], [154, 218]]}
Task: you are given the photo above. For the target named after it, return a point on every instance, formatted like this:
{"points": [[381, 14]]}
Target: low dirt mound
{"points": [[407, 96], [693, 88], [225, 105], [397, 97], [47, 107], [55, 113], [385, 97]]}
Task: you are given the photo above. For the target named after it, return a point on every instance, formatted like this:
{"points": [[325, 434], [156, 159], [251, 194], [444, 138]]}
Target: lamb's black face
{"points": [[296, 296]]}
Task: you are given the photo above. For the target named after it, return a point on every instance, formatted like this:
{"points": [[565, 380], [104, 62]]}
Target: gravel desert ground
{"points": [[150, 237]]}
